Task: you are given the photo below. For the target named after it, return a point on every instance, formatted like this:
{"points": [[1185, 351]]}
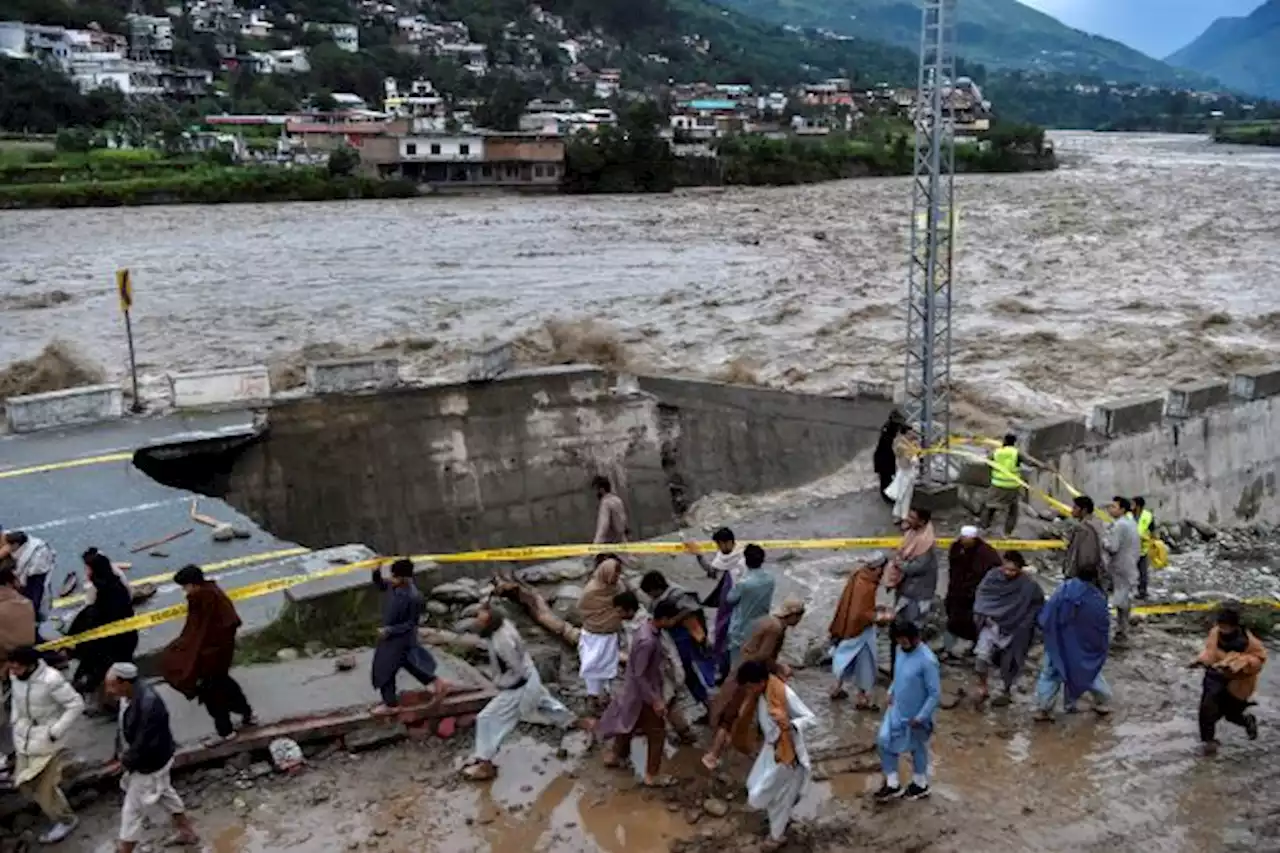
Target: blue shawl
{"points": [[1077, 633]]}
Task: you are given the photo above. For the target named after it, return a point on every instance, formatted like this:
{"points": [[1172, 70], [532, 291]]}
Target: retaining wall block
{"points": [[1192, 398], [1256, 383], [340, 376], [85, 405], [204, 388], [1125, 417]]}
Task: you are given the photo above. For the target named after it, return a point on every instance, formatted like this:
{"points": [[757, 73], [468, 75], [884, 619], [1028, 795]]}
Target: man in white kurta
{"points": [[521, 696], [780, 775]]}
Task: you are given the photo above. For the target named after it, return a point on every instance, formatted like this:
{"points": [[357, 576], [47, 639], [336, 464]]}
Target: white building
{"points": [[345, 36], [443, 148], [608, 82], [256, 25]]}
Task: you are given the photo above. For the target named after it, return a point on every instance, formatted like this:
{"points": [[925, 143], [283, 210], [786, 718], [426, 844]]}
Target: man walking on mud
{"points": [[1084, 543], [398, 644], [611, 517], [1123, 549], [639, 708], [1232, 659]]}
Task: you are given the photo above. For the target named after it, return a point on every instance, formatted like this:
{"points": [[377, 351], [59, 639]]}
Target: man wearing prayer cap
{"points": [[144, 752], [969, 560]]}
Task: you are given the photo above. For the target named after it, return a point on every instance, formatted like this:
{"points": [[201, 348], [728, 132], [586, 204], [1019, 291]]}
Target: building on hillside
{"points": [[151, 33], [256, 25], [705, 118], [345, 36], [607, 83], [469, 55]]}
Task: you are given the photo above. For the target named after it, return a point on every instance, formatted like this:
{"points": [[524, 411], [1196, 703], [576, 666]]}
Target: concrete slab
{"points": [[341, 376], [1193, 398], [1125, 417], [87, 405], [115, 507], [228, 386], [1256, 383], [1047, 438]]}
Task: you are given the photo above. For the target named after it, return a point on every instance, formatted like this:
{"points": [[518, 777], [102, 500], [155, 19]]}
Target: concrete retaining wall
{"points": [[212, 388], [90, 404], [510, 461], [1203, 455]]}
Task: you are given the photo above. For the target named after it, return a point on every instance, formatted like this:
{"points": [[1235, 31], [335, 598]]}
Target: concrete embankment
{"points": [[509, 462], [1207, 451]]}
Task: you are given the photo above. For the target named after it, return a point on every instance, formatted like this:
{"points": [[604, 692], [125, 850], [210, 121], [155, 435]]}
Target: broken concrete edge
{"points": [[223, 387], [302, 729], [70, 407]]}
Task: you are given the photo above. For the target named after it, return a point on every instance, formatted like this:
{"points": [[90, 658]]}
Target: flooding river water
{"points": [[1143, 261]]}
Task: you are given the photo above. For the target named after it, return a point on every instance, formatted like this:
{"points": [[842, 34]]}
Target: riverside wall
{"points": [[509, 462], [1204, 451]]}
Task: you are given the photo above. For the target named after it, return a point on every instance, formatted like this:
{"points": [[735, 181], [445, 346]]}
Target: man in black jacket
{"points": [[144, 751]]}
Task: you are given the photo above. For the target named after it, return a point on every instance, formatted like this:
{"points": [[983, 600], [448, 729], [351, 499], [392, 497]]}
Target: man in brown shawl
{"points": [[198, 663], [764, 645], [969, 560], [1085, 543], [853, 633]]}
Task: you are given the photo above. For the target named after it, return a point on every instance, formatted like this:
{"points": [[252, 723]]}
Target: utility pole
{"points": [[928, 368]]}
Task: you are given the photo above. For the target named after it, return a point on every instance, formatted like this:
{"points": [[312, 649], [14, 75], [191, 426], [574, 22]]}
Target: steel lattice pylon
{"points": [[928, 373]]}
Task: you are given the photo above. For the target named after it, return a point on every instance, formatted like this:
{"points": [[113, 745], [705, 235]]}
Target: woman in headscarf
{"points": [[110, 601], [906, 453], [853, 634], [886, 463]]}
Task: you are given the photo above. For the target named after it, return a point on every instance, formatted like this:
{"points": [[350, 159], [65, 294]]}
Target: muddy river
{"points": [[1144, 260]]}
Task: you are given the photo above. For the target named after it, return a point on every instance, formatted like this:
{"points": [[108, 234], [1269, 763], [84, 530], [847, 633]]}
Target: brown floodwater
{"points": [[1145, 260]]}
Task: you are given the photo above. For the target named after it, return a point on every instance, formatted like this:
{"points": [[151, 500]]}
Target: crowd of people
{"points": [[41, 705], [649, 658]]}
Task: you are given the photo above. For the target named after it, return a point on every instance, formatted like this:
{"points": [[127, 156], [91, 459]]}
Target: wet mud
{"points": [[1144, 261]]}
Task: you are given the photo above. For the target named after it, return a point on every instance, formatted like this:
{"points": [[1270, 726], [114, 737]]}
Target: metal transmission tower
{"points": [[928, 373]]}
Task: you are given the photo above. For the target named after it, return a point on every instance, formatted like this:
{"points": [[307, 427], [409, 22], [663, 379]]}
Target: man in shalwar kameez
{"points": [[908, 722], [521, 696], [853, 634], [689, 635], [398, 644], [639, 708], [782, 769], [726, 568]]}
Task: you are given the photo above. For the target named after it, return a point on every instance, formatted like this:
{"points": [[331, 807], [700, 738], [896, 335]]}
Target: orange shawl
{"points": [[857, 607], [746, 736]]}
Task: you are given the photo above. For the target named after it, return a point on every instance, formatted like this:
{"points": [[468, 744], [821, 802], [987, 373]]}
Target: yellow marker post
{"points": [[124, 287]]}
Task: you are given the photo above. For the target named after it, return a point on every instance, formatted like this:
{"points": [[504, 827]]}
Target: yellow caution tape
{"points": [[209, 569], [68, 463], [1199, 606], [153, 618]]}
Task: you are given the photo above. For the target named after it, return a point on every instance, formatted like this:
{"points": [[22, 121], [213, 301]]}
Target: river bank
{"points": [[1254, 133], [204, 185]]}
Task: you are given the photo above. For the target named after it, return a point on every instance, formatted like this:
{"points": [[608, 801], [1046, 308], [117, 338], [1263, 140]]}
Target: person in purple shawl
{"points": [[727, 566], [639, 707], [1076, 626]]}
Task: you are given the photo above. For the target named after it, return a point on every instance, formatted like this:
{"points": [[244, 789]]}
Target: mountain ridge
{"points": [[998, 33], [1242, 52]]}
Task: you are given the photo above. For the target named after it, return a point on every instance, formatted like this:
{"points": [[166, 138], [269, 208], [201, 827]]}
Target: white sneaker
{"points": [[59, 831]]}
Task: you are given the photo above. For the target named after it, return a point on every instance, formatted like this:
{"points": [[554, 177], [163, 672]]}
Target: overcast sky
{"points": [[1157, 27]]}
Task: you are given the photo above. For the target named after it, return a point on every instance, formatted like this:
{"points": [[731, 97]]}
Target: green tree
{"points": [[343, 161], [504, 104]]}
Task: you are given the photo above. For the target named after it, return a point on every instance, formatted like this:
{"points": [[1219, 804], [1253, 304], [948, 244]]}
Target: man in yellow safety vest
{"points": [[1006, 485], [1145, 519]]}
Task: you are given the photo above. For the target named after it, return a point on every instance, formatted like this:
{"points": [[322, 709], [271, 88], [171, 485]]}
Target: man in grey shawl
{"points": [[521, 696], [1084, 544], [1005, 610]]}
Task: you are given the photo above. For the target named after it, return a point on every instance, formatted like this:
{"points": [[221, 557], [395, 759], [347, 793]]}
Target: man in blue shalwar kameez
{"points": [[398, 644], [908, 723]]}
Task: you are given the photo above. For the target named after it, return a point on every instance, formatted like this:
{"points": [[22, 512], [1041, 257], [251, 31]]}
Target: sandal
{"points": [[710, 762], [662, 782], [838, 693], [480, 772]]}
